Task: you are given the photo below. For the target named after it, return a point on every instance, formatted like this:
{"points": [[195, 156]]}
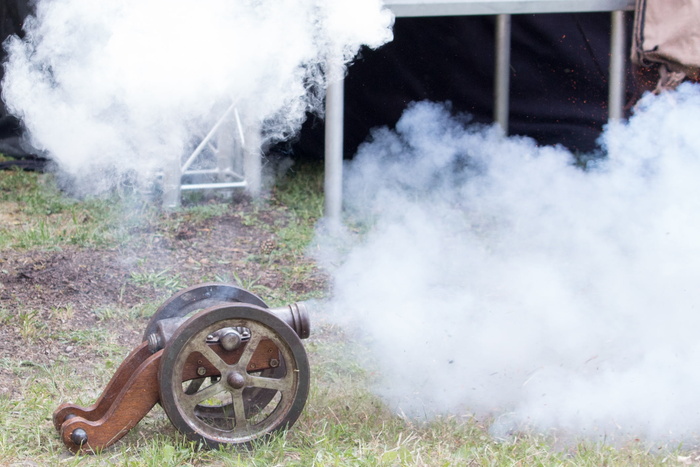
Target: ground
{"points": [[80, 279], [54, 294]]}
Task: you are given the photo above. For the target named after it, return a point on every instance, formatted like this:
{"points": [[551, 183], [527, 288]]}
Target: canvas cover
{"points": [[667, 38]]}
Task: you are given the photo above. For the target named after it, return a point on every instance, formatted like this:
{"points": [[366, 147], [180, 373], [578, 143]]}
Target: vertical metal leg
{"points": [[502, 73], [172, 175], [225, 149], [333, 181], [616, 88], [252, 158]]}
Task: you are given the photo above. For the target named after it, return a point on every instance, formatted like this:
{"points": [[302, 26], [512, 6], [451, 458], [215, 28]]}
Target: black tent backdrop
{"points": [[559, 77], [12, 14]]}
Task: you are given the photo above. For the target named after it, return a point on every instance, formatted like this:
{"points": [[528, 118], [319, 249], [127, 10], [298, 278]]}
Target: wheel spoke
{"points": [[249, 350], [190, 401], [239, 410], [194, 386], [278, 384], [214, 358]]}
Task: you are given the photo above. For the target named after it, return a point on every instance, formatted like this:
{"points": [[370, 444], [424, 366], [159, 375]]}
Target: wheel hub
{"points": [[236, 380]]}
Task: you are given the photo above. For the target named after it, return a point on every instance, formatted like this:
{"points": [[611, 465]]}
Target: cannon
{"points": [[226, 369]]}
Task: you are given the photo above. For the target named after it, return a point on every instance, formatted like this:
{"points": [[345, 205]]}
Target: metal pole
{"points": [[617, 66], [333, 176], [252, 157], [502, 74], [172, 176]]}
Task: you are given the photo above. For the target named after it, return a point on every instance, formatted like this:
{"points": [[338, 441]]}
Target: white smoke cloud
{"points": [[500, 280], [124, 84]]}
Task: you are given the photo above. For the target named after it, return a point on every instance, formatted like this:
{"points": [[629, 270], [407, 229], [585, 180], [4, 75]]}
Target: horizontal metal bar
{"points": [[228, 173], [214, 186], [500, 7]]}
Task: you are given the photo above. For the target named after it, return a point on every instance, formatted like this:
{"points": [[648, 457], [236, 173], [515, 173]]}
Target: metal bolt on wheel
{"points": [[247, 393]]}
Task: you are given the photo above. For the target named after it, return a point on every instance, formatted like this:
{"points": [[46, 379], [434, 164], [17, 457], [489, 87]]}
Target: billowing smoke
{"points": [[494, 277], [107, 87]]}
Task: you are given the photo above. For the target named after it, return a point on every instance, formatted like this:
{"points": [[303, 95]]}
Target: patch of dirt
{"points": [[44, 294], [10, 214], [82, 279]]}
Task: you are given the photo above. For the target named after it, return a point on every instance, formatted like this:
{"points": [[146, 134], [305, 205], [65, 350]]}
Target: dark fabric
{"points": [[12, 15], [559, 79]]}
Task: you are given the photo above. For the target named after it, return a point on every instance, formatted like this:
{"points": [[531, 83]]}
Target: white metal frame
{"points": [[502, 9], [228, 157]]}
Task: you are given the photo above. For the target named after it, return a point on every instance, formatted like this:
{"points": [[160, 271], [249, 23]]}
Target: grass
{"points": [[34, 214], [343, 424], [160, 280]]}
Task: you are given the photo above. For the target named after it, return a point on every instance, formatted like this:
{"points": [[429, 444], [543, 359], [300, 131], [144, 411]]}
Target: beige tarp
{"points": [[667, 37]]}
